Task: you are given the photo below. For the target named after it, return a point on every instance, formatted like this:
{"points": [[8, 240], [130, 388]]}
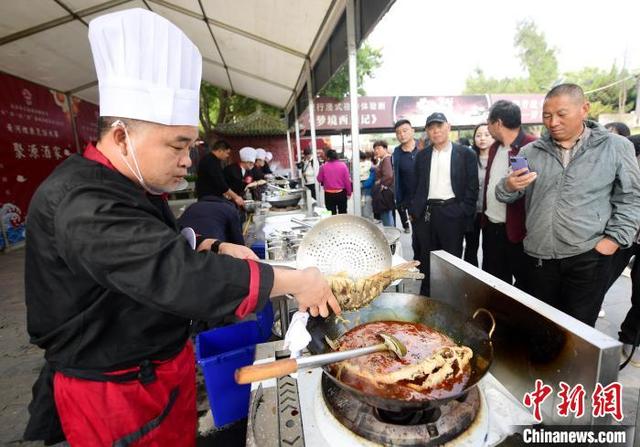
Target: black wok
{"points": [[467, 331]]}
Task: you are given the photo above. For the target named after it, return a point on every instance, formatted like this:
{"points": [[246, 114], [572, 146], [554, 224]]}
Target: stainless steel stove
{"points": [[309, 411], [532, 341]]}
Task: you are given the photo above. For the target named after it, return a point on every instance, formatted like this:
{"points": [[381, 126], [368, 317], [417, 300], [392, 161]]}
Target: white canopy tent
{"points": [[280, 52]]}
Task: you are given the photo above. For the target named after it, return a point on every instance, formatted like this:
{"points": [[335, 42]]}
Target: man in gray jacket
{"points": [[582, 192]]}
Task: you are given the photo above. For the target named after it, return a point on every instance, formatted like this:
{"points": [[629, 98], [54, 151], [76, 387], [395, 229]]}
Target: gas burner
{"points": [[423, 428]]}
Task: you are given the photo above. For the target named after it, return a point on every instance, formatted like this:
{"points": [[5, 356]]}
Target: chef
{"points": [[239, 176], [111, 284]]}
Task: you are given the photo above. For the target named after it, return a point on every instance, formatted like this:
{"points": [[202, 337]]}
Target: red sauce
{"points": [[421, 342]]}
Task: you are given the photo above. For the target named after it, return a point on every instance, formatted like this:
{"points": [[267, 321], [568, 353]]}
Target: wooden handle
{"points": [[256, 373]]}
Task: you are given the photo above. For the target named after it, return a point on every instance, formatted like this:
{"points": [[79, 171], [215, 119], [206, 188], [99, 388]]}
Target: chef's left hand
{"points": [[227, 248], [237, 251]]}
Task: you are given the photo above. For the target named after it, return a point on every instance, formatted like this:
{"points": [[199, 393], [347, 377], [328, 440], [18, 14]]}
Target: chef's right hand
{"points": [[314, 294]]}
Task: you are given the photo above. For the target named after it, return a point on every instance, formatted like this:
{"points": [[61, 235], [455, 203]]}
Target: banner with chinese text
{"points": [[86, 115], [35, 136], [381, 112]]}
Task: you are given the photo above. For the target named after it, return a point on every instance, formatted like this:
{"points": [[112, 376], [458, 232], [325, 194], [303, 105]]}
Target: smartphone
{"points": [[519, 162]]}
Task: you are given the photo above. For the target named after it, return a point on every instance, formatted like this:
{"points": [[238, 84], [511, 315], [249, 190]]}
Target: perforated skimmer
{"points": [[345, 243]]}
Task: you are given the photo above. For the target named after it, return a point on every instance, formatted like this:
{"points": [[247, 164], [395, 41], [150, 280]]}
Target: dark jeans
{"points": [[630, 328], [574, 285], [312, 188], [443, 231], [336, 202], [472, 241], [502, 258]]}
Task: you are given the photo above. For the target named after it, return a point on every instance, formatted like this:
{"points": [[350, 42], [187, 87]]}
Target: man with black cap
{"points": [[111, 284], [446, 193]]}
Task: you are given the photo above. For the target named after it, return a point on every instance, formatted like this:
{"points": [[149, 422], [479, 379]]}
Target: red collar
{"points": [[91, 152]]}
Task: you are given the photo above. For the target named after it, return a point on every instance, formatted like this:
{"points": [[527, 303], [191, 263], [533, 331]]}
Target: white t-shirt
{"points": [[497, 211], [440, 174]]}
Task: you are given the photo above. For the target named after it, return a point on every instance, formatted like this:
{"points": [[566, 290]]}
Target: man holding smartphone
{"points": [[583, 203], [503, 227]]}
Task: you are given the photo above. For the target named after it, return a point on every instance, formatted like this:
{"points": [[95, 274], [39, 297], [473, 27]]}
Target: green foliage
{"points": [[541, 64], [368, 60], [536, 58], [605, 100], [218, 106]]}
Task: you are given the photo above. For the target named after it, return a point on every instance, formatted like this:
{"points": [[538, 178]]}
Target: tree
{"points": [[592, 79], [368, 60], [218, 106], [536, 57]]}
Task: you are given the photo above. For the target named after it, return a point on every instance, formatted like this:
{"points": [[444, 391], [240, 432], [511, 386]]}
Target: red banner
{"points": [[35, 136], [381, 112], [86, 115]]}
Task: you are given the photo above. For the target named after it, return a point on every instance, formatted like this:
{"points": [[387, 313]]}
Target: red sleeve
{"points": [[250, 302]]}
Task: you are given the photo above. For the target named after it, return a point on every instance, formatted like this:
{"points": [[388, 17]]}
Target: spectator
{"points": [[367, 185], [382, 191], [446, 193], [629, 333], [334, 178], [583, 203], [211, 180], [213, 217], [482, 141], [618, 128], [308, 171], [404, 156], [464, 141], [503, 226]]}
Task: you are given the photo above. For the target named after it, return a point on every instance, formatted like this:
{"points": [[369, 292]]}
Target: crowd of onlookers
{"points": [[557, 216]]}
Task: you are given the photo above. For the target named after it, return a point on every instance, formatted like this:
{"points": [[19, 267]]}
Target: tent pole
{"points": [[353, 99], [312, 128]]}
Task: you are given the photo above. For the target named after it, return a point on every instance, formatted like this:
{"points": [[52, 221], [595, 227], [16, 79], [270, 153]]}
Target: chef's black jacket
{"points": [[236, 179], [210, 181], [109, 280]]}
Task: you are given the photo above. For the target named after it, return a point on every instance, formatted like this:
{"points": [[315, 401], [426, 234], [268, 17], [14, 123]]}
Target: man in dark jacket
{"points": [[503, 227], [211, 181], [110, 283], [404, 160], [446, 194]]}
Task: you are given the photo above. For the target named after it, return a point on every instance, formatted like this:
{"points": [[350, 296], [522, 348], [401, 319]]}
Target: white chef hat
{"points": [[248, 154], [147, 68], [261, 154], [268, 156]]}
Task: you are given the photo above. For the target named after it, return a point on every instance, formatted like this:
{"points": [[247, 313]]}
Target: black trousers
{"points": [[502, 258], [403, 211], [630, 328], [574, 285], [443, 230], [336, 202], [472, 241], [312, 188]]}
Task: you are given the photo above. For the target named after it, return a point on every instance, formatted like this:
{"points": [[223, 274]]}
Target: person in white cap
{"points": [[267, 160], [239, 176], [111, 284]]}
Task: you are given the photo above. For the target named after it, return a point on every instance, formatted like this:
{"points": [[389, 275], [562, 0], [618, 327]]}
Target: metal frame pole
{"points": [[355, 113], [312, 128]]}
